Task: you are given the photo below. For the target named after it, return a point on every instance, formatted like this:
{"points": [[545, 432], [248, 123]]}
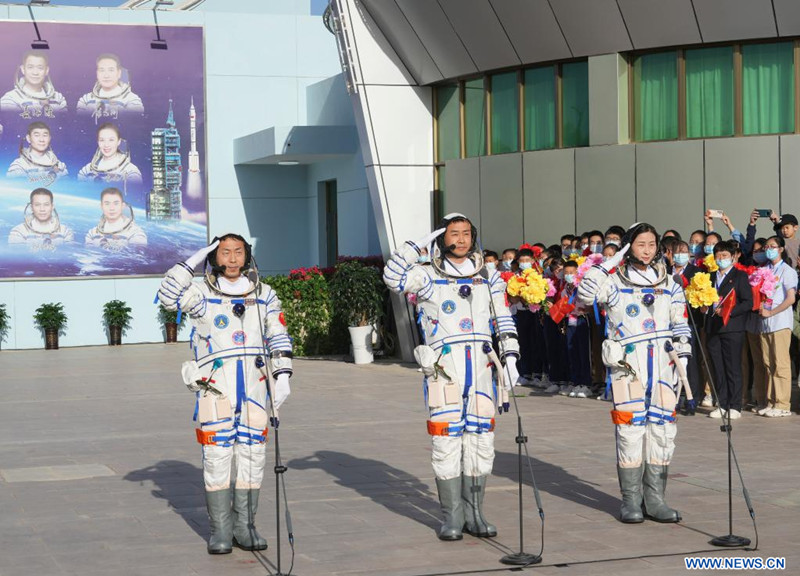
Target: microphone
{"points": [[450, 248]]}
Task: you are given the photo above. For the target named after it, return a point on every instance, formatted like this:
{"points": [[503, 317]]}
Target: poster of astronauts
{"points": [[102, 150]]}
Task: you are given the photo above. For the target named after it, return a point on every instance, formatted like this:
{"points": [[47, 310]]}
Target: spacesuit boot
{"points": [[450, 499], [218, 503], [630, 484], [245, 505], [473, 489], [655, 485]]}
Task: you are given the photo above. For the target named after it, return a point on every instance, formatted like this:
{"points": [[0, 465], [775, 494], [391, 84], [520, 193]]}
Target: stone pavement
{"points": [[100, 475]]}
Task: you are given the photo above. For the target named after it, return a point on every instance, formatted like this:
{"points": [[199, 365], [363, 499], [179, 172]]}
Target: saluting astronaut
{"points": [[33, 95], [111, 95], [236, 318], [41, 229], [646, 318], [111, 163], [460, 303], [37, 162], [115, 230]]}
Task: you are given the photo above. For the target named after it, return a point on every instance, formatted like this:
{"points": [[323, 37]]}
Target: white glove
{"points": [[282, 389], [511, 372], [616, 259], [425, 241], [198, 257], [191, 375]]}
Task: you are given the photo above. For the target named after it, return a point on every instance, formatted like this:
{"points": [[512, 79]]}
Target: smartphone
{"points": [[764, 213], [715, 213]]}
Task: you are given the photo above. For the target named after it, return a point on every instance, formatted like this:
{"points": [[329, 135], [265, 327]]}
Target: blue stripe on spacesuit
{"points": [[215, 300], [650, 336], [445, 412], [467, 372], [240, 391], [649, 392], [596, 312], [196, 406], [459, 281]]}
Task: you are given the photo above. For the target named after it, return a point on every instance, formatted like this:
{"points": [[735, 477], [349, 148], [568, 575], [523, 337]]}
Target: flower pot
{"points": [[361, 339], [114, 335], [51, 339], [171, 330]]}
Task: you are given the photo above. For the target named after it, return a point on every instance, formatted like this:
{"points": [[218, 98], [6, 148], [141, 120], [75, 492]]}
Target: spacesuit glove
{"points": [[511, 373], [425, 241], [198, 257], [616, 259], [282, 389]]}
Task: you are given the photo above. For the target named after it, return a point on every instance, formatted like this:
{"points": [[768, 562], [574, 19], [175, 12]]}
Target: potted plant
{"points": [[357, 292], [52, 319], [4, 322], [169, 318], [117, 317]]}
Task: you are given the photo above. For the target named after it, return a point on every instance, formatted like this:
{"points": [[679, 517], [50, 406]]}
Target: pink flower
{"points": [[534, 307], [551, 289], [412, 299], [591, 260], [765, 280]]}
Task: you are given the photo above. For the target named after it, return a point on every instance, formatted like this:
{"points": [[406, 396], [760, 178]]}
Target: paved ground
{"points": [[99, 475]]}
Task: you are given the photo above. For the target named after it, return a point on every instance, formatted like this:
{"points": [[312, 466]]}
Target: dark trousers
{"points": [[578, 352], [539, 354], [725, 350], [556, 351], [525, 320]]}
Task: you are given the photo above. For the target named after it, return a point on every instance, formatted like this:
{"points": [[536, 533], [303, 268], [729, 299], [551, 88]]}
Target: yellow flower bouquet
{"points": [[700, 292], [532, 288], [710, 263]]}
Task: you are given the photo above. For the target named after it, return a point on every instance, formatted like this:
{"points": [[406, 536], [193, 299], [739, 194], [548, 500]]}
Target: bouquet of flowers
{"points": [[763, 283], [532, 288], [588, 262], [710, 263], [700, 292]]}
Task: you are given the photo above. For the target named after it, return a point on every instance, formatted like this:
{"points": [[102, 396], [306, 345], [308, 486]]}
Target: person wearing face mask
{"points": [[711, 240], [507, 264], [696, 242], [757, 394], [577, 338], [525, 320], [566, 243], [555, 342], [490, 260], [776, 330], [724, 340], [614, 235]]}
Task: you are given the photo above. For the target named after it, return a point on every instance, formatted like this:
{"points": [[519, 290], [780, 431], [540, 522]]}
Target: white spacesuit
{"points": [[117, 235], [118, 169], [43, 104], [458, 304], [41, 169], [111, 104], [646, 315], [234, 324], [40, 235]]}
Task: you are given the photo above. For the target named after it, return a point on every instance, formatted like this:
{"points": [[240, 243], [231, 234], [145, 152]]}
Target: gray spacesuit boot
{"points": [[630, 484], [473, 489], [655, 485], [245, 505], [218, 503], [450, 499]]}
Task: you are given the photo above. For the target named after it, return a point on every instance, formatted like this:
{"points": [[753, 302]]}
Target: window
{"points": [[448, 129], [474, 118], [540, 108], [768, 88], [655, 97], [709, 92], [575, 104], [505, 113]]}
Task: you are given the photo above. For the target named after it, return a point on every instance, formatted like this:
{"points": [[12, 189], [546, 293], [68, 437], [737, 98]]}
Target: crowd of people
{"points": [[749, 355]]}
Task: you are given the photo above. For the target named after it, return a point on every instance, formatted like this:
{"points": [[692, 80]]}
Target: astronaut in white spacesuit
{"points": [[112, 161], [37, 162], [236, 319], [647, 334], [111, 95], [115, 230], [460, 305], [41, 229], [33, 95]]}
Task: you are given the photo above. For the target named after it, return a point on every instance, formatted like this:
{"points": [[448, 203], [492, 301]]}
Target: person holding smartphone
{"points": [[786, 228]]}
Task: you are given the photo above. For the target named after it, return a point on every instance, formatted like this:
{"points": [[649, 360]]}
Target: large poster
{"points": [[102, 150]]}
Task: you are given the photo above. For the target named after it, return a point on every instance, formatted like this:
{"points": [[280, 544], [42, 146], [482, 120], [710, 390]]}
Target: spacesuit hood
{"points": [[47, 86], [661, 271], [439, 264], [212, 281]]}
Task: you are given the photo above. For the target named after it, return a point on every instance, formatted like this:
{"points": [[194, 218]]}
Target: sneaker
{"points": [[552, 389], [718, 413], [757, 409], [565, 389], [707, 401], [763, 411], [735, 415], [524, 381], [777, 413], [583, 392]]}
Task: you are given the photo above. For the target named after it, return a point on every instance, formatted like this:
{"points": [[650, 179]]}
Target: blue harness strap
{"points": [[649, 393], [240, 390]]}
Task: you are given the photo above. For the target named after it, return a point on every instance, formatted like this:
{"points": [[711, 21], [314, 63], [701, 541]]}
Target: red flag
{"points": [[756, 297], [560, 309], [726, 307]]}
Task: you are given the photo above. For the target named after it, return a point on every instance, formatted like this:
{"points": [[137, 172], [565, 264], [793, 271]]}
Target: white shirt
{"points": [[787, 281]]}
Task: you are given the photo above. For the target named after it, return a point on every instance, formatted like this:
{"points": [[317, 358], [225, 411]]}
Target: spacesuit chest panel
{"points": [[221, 334]]}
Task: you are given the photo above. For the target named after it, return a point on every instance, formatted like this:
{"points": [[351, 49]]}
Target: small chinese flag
{"points": [[726, 306]]}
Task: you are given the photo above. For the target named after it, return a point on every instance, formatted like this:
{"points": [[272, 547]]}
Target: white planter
{"points": [[361, 339]]}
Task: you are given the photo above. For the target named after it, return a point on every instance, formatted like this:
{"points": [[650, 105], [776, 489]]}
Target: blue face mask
{"points": [[423, 258], [491, 266], [759, 257], [681, 259], [694, 249], [569, 278], [596, 248], [724, 264], [708, 248], [772, 253], [525, 265], [507, 264]]}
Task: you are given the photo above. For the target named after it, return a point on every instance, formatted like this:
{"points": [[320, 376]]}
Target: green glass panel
{"points": [[655, 96], [575, 104], [475, 117], [505, 113], [540, 108], [447, 122], [768, 88], [709, 92]]}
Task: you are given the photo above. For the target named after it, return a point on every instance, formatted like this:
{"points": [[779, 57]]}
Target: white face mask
{"points": [[614, 242], [507, 264], [525, 265], [491, 266]]}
